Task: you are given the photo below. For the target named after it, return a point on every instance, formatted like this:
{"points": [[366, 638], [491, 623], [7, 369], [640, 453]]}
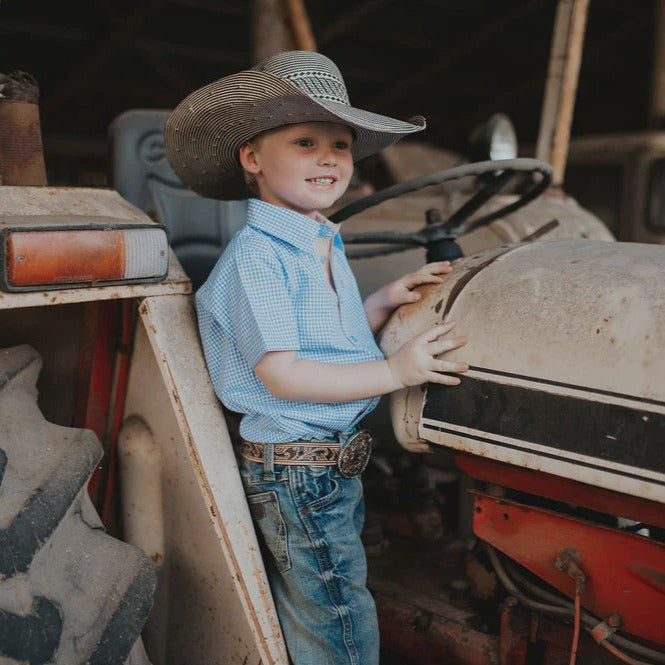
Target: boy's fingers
{"points": [[436, 265], [433, 333], [422, 278], [445, 379], [447, 366], [427, 279], [439, 346]]}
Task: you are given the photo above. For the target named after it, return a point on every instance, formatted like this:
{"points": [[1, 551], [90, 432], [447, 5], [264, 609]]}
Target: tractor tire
{"points": [[69, 593]]}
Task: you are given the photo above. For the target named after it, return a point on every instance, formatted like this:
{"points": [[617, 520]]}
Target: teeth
{"points": [[321, 181]]}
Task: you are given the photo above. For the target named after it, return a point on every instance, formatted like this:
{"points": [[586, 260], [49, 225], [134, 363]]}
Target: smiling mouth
{"points": [[321, 181]]}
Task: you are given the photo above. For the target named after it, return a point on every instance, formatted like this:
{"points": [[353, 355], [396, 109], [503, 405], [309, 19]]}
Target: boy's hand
{"points": [[400, 291], [381, 303], [416, 362]]}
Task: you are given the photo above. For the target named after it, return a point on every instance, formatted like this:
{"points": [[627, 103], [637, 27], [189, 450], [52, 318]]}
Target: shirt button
{"points": [[353, 338]]}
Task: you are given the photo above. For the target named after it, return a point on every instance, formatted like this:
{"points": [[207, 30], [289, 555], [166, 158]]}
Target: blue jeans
{"points": [[309, 519]]}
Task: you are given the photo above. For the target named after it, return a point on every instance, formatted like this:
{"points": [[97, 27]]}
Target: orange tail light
{"points": [[43, 258]]}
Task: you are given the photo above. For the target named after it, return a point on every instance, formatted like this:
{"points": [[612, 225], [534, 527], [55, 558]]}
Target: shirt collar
{"points": [[293, 227]]}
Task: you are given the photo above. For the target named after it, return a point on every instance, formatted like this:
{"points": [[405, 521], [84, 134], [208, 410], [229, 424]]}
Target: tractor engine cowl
{"points": [[566, 343]]}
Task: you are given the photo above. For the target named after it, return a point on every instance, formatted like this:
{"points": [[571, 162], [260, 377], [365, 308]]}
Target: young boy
{"points": [[288, 341]]}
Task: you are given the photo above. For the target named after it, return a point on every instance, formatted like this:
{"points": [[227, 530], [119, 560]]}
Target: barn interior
{"points": [[456, 63]]}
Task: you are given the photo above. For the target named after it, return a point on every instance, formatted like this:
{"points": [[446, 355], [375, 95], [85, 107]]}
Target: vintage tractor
{"points": [[558, 422]]}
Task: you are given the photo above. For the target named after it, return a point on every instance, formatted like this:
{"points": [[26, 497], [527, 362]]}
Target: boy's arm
{"points": [[380, 304], [290, 378]]}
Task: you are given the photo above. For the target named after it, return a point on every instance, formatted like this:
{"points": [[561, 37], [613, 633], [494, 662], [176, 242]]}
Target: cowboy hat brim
{"points": [[204, 132]]}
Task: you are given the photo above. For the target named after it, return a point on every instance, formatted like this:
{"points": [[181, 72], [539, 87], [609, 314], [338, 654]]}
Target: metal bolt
{"points": [[615, 620]]}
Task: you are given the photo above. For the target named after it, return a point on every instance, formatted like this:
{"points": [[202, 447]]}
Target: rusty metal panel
{"points": [[562, 489], [213, 604], [624, 573]]}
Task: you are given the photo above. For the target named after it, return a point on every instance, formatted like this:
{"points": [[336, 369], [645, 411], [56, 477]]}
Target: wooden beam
{"points": [[300, 25], [270, 31], [561, 88]]}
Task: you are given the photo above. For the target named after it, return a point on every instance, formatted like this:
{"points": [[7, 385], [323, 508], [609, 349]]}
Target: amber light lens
{"points": [[62, 257]]}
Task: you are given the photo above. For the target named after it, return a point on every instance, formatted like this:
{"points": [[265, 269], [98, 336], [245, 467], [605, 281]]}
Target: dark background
{"points": [[456, 62]]}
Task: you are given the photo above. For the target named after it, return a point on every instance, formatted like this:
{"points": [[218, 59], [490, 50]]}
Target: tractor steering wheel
{"points": [[439, 238]]}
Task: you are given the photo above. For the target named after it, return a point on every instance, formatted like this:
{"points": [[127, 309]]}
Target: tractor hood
{"points": [[566, 344]]}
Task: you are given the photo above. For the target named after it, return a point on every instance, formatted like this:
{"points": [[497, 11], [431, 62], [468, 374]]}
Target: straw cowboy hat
{"points": [[203, 134]]}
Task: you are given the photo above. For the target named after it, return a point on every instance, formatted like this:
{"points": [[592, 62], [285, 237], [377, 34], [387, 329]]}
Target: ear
{"points": [[249, 158]]}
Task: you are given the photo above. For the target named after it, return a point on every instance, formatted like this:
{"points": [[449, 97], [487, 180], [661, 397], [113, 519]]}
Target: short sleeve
{"points": [[261, 312]]}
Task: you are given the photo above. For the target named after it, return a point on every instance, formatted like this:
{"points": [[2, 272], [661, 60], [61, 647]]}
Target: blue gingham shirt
{"points": [[269, 292]]}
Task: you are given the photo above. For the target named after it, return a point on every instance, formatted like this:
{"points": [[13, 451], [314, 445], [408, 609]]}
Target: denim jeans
{"points": [[309, 520]]}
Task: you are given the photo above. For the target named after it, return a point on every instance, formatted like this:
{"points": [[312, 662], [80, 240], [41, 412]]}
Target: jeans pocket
{"points": [[317, 487], [268, 517]]}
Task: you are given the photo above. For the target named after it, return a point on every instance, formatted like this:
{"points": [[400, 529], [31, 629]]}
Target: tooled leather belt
{"points": [[350, 458]]}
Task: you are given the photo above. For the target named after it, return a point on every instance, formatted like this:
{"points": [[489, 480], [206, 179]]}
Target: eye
{"points": [[304, 142], [342, 145]]}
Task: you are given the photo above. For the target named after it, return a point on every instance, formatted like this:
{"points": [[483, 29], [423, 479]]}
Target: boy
{"points": [[288, 341]]}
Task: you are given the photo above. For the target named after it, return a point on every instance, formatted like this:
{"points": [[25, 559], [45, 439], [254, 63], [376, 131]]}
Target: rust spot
{"points": [[21, 152]]}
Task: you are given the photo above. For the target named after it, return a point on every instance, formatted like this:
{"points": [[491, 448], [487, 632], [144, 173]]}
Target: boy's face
{"points": [[304, 167]]}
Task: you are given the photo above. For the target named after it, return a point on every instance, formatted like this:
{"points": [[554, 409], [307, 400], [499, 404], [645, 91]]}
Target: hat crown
{"points": [[316, 75]]}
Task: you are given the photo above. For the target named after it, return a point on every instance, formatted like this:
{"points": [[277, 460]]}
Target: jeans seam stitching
{"points": [[333, 593]]}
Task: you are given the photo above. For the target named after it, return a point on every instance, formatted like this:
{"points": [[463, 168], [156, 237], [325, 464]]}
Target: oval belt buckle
{"points": [[355, 454]]}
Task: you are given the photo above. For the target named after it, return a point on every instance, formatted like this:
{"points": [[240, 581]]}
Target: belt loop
{"points": [[343, 437], [269, 461]]}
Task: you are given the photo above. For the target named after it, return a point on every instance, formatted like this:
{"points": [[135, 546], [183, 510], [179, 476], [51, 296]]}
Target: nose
{"points": [[328, 156]]}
